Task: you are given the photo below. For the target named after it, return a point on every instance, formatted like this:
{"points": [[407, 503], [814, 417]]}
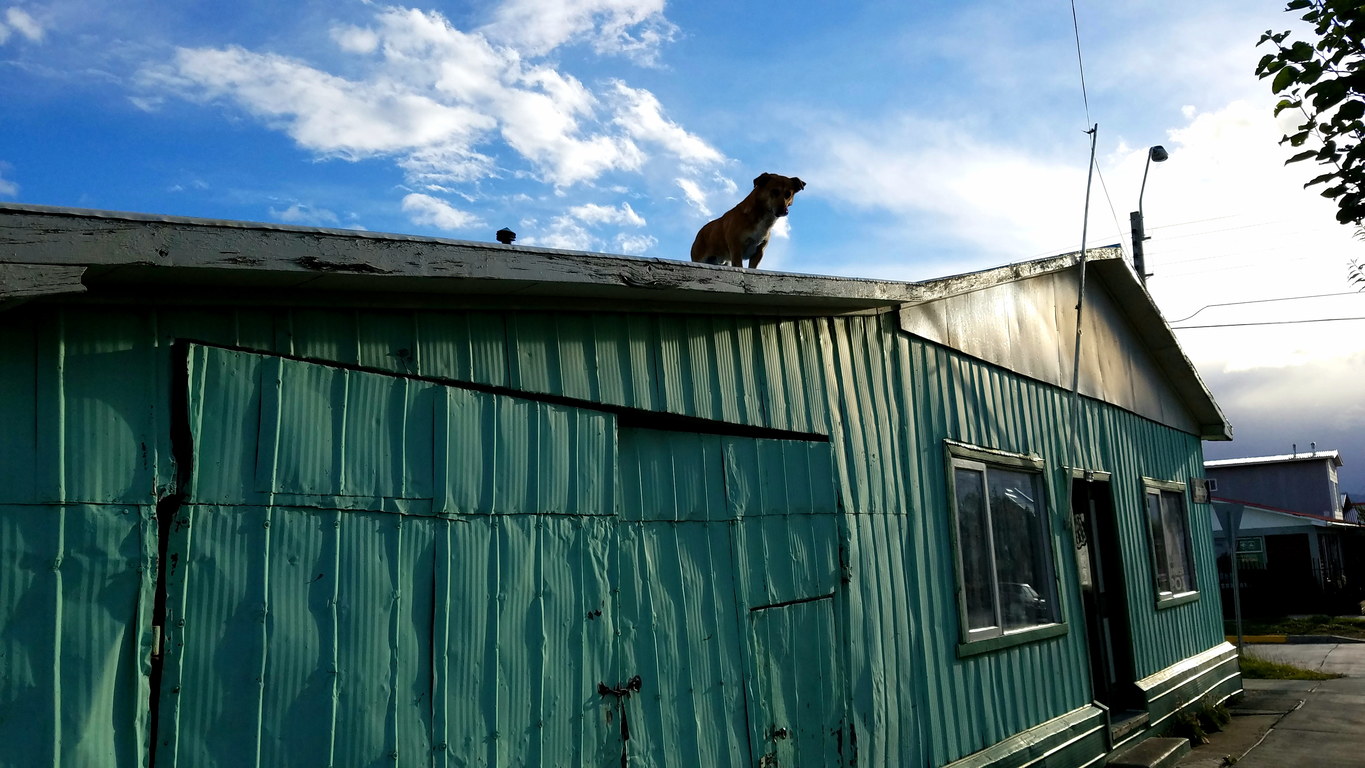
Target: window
{"points": [[1169, 531], [1005, 566]]}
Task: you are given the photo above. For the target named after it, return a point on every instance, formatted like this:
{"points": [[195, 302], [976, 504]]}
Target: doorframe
{"points": [[1109, 641]]}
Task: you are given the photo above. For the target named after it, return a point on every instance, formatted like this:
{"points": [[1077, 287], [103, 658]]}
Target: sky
{"points": [[934, 138]]}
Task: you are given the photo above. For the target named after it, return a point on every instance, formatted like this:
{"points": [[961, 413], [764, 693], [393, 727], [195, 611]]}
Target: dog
{"points": [[742, 233]]}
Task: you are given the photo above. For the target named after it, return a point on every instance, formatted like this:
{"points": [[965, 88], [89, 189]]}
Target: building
{"points": [[278, 496], [1298, 550], [1298, 482]]}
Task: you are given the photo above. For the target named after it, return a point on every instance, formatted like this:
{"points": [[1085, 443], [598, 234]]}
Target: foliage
{"points": [[1355, 273], [1326, 83], [1256, 668], [1197, 722]]}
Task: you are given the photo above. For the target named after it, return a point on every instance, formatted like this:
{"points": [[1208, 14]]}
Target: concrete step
{"points": [[1151, 753]]}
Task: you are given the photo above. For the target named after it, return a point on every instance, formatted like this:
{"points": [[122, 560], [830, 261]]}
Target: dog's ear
{"points": [[798, 184], [761, 179]]}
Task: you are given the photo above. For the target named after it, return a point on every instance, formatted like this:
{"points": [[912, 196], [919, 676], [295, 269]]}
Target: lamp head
{"points": [[1157, 154]]}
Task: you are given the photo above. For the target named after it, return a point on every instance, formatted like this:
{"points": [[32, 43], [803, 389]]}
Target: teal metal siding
{"points": [[74, 607], [409, 497]]}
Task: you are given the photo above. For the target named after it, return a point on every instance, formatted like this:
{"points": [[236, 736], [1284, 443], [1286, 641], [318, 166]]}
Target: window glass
{"points": [[1004, 549], [974, 547], [1170, 537], [1023, 559]]}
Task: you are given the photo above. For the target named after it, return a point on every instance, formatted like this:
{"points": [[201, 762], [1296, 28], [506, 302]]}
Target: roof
{"points": [[1262, 516], [50, 251], [109, 256], [1331, 456]]}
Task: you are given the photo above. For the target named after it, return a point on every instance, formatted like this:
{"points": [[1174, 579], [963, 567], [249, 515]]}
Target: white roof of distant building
{"points": [[1334, 456]]}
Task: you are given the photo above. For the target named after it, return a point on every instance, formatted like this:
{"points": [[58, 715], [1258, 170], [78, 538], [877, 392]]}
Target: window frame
{"points": [[980, 640], [1168, 598]]}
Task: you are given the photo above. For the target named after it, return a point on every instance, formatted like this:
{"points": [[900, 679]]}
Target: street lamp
{"points": [[1156, 154]]}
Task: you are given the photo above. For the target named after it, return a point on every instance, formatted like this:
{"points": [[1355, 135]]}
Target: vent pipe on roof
{"points": [[1294, 449], [1313, 447]]}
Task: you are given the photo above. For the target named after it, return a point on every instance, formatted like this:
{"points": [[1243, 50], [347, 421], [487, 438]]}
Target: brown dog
{"points": [[742, 233]]}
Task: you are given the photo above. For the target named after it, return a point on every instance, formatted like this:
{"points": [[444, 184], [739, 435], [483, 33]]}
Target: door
{"points": [[797, 712], [1100, 567]]}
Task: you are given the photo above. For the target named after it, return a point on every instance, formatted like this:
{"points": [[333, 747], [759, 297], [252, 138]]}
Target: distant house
{"points": [[278, 496], [1297, 548], [1304, 482]]}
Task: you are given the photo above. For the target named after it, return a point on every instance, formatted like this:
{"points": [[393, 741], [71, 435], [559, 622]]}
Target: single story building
{"points": [[283, 496]]}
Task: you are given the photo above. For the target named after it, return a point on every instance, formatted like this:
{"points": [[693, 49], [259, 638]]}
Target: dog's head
{"points": [[777, 192]]}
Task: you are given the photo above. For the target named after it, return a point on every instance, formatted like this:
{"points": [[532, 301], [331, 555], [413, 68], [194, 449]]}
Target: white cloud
{"points": [[18, 20], [634, 28], [635, 245], [426, 210], [604, 214], [301, 213], [641, 114], [693, 194], [325, 113], [438, 99], [7, 188], [998, 197]]}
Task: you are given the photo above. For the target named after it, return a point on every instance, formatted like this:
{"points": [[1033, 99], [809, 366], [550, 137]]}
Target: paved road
{"points": [[1289, 723]]}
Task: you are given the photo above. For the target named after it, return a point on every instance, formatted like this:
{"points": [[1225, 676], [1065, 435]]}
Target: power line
{"points": [[1267, 322], [1267, 301], [1080, 64]]}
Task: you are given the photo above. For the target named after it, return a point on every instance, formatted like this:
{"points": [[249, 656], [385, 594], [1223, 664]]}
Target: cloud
{"points": [[935, 175], [301, 213], [575, 230], [635, 245], [633, 28], [603, 214], [452, 106], [425, 210], [641, 115], [326, 113], [18, 20], [7, 188]]}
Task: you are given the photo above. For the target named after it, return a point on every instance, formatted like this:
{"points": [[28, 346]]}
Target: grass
{"points": [[1256, 668], [1306, 625]]}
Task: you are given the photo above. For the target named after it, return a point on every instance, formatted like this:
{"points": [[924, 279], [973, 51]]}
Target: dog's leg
{"points": [[758, 254]]}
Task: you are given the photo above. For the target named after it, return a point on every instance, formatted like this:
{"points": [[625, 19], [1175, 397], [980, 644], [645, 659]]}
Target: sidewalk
{"points": [[1285, 723]]}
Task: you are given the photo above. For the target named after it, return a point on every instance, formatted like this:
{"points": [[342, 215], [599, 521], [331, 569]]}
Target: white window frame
{"points": [[971, 458], [1162, 558]]}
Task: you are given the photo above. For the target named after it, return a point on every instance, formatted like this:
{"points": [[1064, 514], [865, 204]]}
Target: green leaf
{"points": [[1285, 104], [1297, 5], [1301, 157], [1284, 79], [1299, 52]]}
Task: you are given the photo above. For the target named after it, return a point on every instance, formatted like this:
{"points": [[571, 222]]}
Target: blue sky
{"points": [[934, 138]]}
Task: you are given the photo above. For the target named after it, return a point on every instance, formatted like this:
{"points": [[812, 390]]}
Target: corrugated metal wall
{"points": [[98, 383]]}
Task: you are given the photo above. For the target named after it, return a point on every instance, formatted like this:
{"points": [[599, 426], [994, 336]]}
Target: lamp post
{"points": [[1156, 154]]}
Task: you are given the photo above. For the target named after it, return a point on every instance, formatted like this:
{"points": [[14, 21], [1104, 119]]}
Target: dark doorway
{"points": [[1100, 568]]}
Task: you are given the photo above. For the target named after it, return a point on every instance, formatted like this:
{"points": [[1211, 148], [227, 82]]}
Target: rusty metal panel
{"points": [[75, 594]]}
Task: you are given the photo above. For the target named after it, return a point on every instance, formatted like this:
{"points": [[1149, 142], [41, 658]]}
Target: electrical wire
{"points": [[1267, 301], [1080, 64], [1266, 322]]}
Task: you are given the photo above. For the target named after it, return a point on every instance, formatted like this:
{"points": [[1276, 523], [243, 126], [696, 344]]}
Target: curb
{"points": [[1292, 639]]}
